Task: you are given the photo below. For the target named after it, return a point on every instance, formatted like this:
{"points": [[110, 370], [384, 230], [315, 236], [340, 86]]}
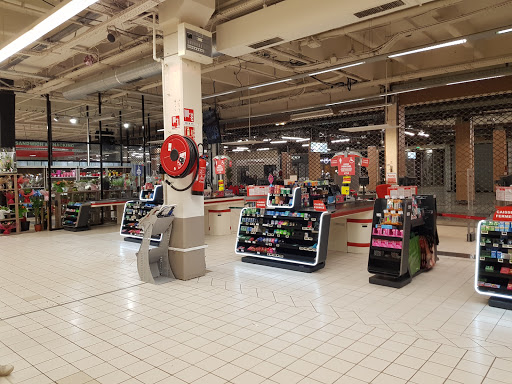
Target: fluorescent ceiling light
{"points": [[242, 148], [127, 125], [409, 133], [504, 31], [73, 120], [266, 139], [423, 134], [158, 130], [437, 46], [404, 91], [481, 78], [218, 94], [337, 68], [305, 145], [283, 123], [278, 142], [340, 141], [294, 138], [301, 140], [312, 114], [270, 83], [346, 101], [58, 17], [263, 149]]}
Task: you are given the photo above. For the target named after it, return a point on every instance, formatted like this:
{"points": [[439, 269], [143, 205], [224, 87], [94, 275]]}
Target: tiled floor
{"points": [[73, 311]]}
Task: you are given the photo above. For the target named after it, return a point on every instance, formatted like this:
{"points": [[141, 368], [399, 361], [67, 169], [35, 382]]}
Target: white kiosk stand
{"points": [[154, 263]]}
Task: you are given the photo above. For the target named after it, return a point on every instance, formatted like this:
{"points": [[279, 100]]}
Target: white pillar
{"points": [[181, 83]]}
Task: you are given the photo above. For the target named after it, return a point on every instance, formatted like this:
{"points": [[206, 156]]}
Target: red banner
{"points": [[220, 167], [346, 166], [319, 206], [261, 204], [503, 214], [365, 162]]}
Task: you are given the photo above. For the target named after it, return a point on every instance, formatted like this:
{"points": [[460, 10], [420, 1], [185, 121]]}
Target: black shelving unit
{"points": [[493, 266], [76, 217], [135, 210], [389, 247], [284, 237], [291, 200]]}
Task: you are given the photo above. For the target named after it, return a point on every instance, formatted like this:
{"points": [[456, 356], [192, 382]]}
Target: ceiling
{"points": [[56, 63]]}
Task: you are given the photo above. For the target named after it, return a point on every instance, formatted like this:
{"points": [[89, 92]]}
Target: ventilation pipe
{"points": [[136, 71]]}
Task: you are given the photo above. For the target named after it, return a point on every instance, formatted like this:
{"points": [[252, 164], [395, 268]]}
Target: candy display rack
{"points": [[394, 219], [493, 269]]}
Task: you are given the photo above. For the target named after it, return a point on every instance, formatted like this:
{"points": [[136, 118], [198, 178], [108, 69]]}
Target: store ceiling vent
{"points": [[291, 20], [265, 43], [379, 9]]}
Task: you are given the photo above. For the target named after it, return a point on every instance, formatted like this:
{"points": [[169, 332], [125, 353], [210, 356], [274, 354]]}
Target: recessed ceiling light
{"points": [[126, 125], [73, 120]]}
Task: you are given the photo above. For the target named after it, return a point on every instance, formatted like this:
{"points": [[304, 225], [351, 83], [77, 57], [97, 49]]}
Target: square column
{"points": [[464, 160], [391, 139]]}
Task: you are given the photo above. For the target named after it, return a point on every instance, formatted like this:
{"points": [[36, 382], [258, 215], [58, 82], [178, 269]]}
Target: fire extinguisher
{"points": [[180, 157], [198, 187]]}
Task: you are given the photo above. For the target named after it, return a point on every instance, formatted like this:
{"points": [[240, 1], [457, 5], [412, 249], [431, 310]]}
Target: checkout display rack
{"points": [[396, 222], [284, 236], [135, 210], [493, 267], [76, 217]]}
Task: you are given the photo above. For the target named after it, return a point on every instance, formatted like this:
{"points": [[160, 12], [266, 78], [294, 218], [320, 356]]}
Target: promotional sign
{"points": [[345, 190], [346, 166], [402, 191], [188, 115], [347, 179], [391, 178], [261, 204], [189, 131], [137, 170], [257, 190], [270, 179], [220, 167], [340, 199], [335, 161], [175, 122], [365, 162], [319, 206], [503, 214]]}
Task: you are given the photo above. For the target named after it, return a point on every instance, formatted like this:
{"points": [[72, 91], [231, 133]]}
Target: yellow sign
{"points": [[345, 190], [347, 179]]}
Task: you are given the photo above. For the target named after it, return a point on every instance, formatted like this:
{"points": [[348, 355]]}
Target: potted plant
{"points": [[22, 214], [37, 206], [59, 186]]}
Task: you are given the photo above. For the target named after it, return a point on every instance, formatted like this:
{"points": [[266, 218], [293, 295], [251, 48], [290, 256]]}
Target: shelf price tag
{"points": [[500, 260], [482, 258]]}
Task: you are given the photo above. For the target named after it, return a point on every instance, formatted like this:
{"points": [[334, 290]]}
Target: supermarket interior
{"points": [[255, 192]]}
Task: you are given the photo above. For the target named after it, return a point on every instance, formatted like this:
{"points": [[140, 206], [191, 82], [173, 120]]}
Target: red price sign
{"points": [[365, 162], [175, 122], [335, 161], [503, 214], [346, 166], [391, 178], [261, 204], [188, 115], [319, 206]]}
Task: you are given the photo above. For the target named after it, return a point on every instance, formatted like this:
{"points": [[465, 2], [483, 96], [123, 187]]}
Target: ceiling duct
{"points": [[238, 37], [113, 79]]}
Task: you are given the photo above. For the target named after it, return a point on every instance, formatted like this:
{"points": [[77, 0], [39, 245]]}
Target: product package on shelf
{"points": [[403, 239]]}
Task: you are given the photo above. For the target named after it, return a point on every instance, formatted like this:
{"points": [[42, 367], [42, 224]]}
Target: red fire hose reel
{"points": [[180, 157]]}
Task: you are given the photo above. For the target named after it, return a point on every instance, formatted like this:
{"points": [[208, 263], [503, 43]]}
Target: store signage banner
{"points": [[503, 214], [175, 122], [391, 178], [365, 162], [253, 190], [188, 115], [319, 206], [504, 193], [347, 179], [261, 204], [345, 190], [346, 166], [335, 161], [220, 167]]}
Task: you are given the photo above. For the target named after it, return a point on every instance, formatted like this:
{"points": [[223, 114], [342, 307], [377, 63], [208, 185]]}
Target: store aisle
{"points": [[72, 310]]}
